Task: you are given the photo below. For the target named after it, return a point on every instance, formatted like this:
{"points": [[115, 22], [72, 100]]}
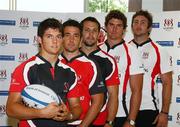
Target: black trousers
{"points": [[145, 118], [119, 121]]}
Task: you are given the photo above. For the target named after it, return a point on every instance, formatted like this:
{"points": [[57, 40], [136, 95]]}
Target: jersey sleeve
{"points": [[74, 87], [112, 78], [17, 80], [97, 85], [165, 61]]}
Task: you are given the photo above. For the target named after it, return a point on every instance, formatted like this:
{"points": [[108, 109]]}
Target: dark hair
{"points": [[92, 19], [74, 23], [116, 14], [145, 14], [48, 23]]}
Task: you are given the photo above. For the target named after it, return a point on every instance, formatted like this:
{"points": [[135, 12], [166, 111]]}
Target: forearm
{"points": [[93, 110], [166, 91], [135, 102], [19, 111], [112, 105]]}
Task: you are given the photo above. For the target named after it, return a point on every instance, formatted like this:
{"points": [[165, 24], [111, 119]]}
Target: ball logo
{"points": [[168, 24], [23, 57], [2, 110], [24, 23], [3, 39], [3, 74]]}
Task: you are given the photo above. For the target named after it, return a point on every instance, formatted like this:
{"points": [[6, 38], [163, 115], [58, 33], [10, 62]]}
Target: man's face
{"points": [[71, 39], [115, 29], [90, 33], [140, 26], [51, 41]]}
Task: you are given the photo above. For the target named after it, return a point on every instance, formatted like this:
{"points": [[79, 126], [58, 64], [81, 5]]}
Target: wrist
{"points": [[131, 122], [70, 116], [165, 113], [109, 122]]}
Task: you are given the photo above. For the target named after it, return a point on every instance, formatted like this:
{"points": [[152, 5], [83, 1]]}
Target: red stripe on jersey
{"points": [[126, 77], [156, 68]]}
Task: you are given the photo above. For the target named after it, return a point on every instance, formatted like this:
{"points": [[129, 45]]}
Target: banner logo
{"points": [[20, 40], [178, 118], [24, 23], [23, 57], [3, 39], [165, 43], [178, 80], [35, 41], [168, 24], [155, 25], [2, 110], [7, 58], [3, 75], [102, 36], [178, 43], [8, 22]]}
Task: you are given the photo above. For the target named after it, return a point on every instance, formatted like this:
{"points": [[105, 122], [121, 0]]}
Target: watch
{"points": [[110, 122], [131, 122]]}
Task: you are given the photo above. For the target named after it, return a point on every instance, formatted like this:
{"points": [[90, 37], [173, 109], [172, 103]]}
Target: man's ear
{"points": [[39, 39]]}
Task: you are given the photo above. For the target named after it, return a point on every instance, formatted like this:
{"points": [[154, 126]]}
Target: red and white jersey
{"points": [[155, 61], [128, 63]]}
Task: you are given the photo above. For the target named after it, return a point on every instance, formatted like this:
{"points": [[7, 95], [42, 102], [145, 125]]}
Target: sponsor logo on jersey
{"points": [[20, 40], [168, 24], [7, 58], [155, 25], [3, 39], [145, 55], [23, 56], [24, 22], [117, 58], [8, 22], [165, 43], [3, 74], [2, 110]]}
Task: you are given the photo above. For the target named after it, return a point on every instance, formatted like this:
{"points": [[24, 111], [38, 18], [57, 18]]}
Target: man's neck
{"points": [[141, 39], [88, 49], [70, 55], [113, 42], [51, 58]]}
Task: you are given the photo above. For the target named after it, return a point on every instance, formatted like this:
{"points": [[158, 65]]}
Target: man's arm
{"points": [[162, 118], [112, 104], [15, 108], [136, 82], [96, 105]]}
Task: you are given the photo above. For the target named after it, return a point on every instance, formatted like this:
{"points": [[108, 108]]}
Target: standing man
{"points": [[129, 67], [156, 62], [92, 87], [45, 69], [90, 34]]}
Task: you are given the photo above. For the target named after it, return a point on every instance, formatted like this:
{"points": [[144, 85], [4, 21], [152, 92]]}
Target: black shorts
{"points": [[145, 118], [119, 121]]}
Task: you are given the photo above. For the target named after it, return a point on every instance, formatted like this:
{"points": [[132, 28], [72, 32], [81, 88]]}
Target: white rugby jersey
{"points": [[128, 63], [155, 61]]}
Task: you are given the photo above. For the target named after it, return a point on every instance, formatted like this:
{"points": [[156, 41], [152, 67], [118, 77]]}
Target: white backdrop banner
{"points": [[18, 42]]}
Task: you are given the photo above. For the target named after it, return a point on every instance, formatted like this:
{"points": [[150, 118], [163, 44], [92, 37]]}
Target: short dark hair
{"points": [[145, 14], [92, 19], [116, 14], [49, 23], [74, 23]]}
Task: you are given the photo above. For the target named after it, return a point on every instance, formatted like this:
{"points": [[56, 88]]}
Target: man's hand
{"points": [[161, 120]]}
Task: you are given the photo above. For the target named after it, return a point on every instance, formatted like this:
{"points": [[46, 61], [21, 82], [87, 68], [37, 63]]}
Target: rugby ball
{"points": [[38, 96]]}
